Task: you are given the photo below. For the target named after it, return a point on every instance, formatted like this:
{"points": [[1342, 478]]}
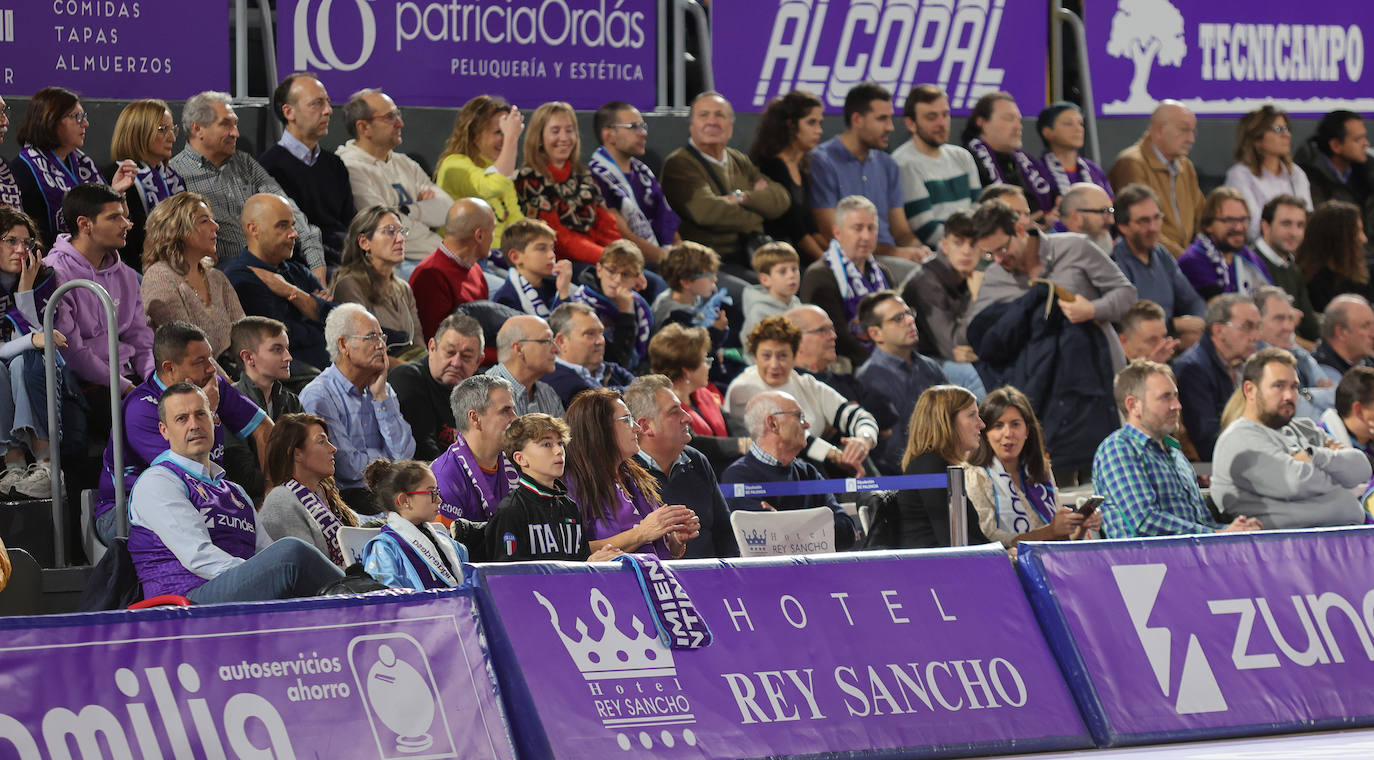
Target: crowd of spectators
{"points": [[546, 350]]}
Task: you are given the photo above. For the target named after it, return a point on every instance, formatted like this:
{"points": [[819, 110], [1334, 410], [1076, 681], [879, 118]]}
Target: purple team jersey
{"points": [[143, 443]]}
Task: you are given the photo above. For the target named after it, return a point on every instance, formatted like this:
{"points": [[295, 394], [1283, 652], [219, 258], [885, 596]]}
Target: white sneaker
{"points": [[11, 477], [37, 481]]}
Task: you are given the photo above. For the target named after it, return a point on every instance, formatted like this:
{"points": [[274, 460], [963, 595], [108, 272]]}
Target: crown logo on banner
{"points": [[756, 538], [615, 655]]}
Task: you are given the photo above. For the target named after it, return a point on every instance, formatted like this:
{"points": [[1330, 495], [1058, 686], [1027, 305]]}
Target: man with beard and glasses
{"points": [[1149, 486], [1281, 468], [1217, 261], [938, 177]]}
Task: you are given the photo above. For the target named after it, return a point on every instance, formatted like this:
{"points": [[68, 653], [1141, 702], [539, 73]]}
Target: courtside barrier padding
{"points": [[389, 675], [876, 654], [1210, 636]]}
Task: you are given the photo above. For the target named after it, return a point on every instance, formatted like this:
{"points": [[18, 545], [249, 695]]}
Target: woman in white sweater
{"points": [[773, 344], [1264, 165]]}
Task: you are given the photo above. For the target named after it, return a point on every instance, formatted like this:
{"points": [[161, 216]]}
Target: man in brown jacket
{"points": [[717, 190], [1160, 161]]}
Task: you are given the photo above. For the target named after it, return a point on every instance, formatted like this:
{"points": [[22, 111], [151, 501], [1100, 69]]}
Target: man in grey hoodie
{"points": [[1286, 471]]}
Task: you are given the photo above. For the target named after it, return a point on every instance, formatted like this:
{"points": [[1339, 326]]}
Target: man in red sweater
{"points": [[452, 275]]}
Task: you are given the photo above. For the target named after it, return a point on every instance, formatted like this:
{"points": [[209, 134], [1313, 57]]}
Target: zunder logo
{"points": [[1198, 691], [303, 22]]}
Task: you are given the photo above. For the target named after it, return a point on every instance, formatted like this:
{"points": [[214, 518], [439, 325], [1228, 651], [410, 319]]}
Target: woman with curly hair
{"points": [[773, 344], [788, 130], [1331, 255], [619, 499], [180, 280], [479, 158], [554, 186]]}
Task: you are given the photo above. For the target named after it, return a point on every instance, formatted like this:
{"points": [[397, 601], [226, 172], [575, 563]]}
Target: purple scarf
{"points": [[158, 183], [9, 191], [468, 461], [1034, 180], [853, 284], [55, 177], [1087, 172], [679, 623], [319, 512]]}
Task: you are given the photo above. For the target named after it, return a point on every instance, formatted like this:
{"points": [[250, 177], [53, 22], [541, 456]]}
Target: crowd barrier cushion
{"points": [[386, 675], [1210, 636], [872, 654]]}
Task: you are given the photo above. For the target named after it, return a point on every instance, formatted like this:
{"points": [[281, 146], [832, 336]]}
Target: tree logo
{"points": [[1146, 32]]}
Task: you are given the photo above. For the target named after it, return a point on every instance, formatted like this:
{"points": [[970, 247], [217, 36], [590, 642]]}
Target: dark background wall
{"points": [[426, 129]]}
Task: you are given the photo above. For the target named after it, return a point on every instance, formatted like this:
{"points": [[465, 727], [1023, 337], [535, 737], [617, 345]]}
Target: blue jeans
{"points": [[287, 569], [963, 374]]}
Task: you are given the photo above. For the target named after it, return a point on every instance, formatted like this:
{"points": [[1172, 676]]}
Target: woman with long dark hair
{"points": [[1264, 165], [619, 499], [789, 128], [1331, 255], [375, 246], [1008, 479], [304, 501]]}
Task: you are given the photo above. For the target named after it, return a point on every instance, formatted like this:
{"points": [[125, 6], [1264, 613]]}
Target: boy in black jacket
{"points": [[537, 520]]}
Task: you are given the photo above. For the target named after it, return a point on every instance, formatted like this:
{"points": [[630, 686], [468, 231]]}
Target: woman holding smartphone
{"points": [[1009, 480]]}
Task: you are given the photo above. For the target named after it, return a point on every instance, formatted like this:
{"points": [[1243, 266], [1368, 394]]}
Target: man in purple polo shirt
{"points": [[181, 353], [196, 534], [474, 475]]}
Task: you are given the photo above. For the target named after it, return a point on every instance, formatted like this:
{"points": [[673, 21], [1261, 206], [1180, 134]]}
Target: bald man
{"points": [[270, 283], [527, 352], [1087, 210], [452, 274], [1160, 161]]}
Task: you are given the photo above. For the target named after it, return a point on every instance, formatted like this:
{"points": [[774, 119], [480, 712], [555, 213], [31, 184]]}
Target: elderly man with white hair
{"points": [[848, 272], [212, 165], [526, 350], [354, 398], [778, 426]]}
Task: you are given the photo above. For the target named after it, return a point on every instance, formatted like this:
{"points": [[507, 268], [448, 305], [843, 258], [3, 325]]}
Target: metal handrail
{"points": [[241, 48], [958, 510], [1093, 146], [116, 414], [680, 10], [661, 91]]}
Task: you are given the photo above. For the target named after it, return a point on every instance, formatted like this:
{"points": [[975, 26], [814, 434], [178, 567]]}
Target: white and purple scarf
{"points": [[854, 285], [1244, 276], [323, 517], [1087, 172], [426, 556], [607, 170], [679, 622], [157, 183], [9, 190], [55, 177], [1035, 181], [468, 461], [1015, 506], [530, 300]]}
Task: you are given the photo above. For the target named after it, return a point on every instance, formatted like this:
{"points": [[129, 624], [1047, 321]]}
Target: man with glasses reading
{"points": [[1218, 261], [631, 190], [527, 352], [1087, 210], [355, 399], [382, 177], [1149, 265], [1210, 371]]}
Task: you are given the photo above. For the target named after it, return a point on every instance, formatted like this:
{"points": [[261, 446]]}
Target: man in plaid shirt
{"points": [[1149, 486]]}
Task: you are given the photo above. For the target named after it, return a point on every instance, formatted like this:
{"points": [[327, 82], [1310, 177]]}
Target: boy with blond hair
{"points": [[779, 269]]}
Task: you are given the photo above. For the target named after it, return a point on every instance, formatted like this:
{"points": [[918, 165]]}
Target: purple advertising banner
{"points": [[386, 676], [444, 52], [113, 48], [1211, 636], [766, 48], [889, 653], [1228, 57]]}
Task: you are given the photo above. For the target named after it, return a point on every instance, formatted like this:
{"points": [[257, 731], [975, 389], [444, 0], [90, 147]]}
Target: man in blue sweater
{"points": [[778, 426]]}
